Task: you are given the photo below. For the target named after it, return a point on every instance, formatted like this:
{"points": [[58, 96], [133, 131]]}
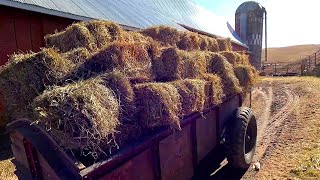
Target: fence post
{"points": [[315, 59], [309, 62], [275, 68]]}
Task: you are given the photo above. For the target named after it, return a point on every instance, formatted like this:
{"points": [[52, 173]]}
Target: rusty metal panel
{"points": [[206, 134], [225, 111], [176, 155], [46, 170], [138, 168]]}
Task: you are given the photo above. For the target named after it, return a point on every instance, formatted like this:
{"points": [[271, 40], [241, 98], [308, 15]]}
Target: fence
{"points": [[299, 67]]}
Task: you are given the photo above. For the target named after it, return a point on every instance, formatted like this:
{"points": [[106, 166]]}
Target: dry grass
{"points": [[159, 105], [219, 65], [167, 36], [104, 32], [174, 64], [74, 36], [119, 83], [234, 58], [133, 59], [189, 41], [214, 93], [246, 75], [79, 116], [208, 44], [193, 95], [26, 76], [224, 44], [77, 56]]}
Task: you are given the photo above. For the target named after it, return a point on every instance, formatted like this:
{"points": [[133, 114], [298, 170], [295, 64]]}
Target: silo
{"points": [[249, 26]]}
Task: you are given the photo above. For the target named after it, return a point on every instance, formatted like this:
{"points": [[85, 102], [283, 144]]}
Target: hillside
{"points": [[290, 53]]}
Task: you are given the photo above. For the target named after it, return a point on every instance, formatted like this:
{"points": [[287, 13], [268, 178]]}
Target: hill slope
{"points": [[290, 53]]}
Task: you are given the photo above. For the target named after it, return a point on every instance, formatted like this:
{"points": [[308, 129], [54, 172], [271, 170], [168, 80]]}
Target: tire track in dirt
{"points": [[269, 127]]}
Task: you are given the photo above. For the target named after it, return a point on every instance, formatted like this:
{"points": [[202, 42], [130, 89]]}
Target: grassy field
{"points": [[290, 53]]}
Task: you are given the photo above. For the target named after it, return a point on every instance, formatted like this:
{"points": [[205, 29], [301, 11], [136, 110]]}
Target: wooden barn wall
{"points": [[22, 31]]}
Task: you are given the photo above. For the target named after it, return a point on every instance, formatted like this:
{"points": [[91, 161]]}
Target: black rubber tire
{"points": [[241, 138]]}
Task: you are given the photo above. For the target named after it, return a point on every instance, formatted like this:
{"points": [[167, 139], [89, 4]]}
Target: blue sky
{"points": [[290, 22]]}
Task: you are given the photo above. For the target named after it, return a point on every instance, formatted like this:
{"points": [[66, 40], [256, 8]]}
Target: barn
{"points": [[24, 23]]}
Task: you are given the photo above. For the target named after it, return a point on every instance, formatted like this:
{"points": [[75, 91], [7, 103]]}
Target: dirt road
{"points": [[281, 106]]}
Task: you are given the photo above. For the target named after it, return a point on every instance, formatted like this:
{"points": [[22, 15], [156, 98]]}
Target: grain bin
{"points": [[249, 26]]}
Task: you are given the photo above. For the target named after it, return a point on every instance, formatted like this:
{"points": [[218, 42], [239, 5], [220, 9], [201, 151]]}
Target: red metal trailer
{"points": [[166, 154]]}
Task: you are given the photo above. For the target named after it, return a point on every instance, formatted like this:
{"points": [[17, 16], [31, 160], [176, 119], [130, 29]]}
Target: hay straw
{"points": [[167, 36], [132, 36], [77, 56], [214, 93], [224, 44], [79, 116], [121, 86], [104, 32], [189, 41], [25, 76], [132, 59], [246, 75], [192, 92], [159, 105], [208, 44], [74, 36], [233, 58], [174, 64], [219, 65]]}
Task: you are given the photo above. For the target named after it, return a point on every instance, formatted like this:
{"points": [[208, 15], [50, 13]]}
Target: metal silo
{"points": [[249, 26]]}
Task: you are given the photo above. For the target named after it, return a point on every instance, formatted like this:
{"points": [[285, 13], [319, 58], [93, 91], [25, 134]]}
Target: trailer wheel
{"points": [[241, 138]]}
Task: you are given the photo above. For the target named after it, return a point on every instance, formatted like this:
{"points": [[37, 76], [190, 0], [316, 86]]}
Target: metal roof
{"points": [[133, 13]]}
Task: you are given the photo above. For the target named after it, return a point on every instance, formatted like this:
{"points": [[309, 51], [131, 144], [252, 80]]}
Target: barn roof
{"points": [[133, 14]]}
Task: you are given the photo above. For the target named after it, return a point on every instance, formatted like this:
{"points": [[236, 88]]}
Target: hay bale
{"points": [[133, 59], [159, 105], [189, 41], [132, 36], [224, 44], [104, 32], [233, 58], [76, 56], [192, 92], [214, 91], [25, 76], [246, 75], [119, 83], [208, 44], [74, 36], [79, 116], [174, 64], [219, 65], [167, 36]]}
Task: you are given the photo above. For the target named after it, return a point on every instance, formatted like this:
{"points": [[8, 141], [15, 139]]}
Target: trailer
{"points": [[165, 154]]}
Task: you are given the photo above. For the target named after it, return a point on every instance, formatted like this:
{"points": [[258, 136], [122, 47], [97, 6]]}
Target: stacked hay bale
{"points": [[26, 76], [101, 87]]}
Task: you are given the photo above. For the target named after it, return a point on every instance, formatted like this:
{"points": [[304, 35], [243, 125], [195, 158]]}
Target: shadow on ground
{"points": [[215, 166]]}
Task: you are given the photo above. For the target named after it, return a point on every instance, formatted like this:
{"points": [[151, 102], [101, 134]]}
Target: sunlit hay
{"points": [[167, 36], [121, 86], [244, 58], [104, 32], [219, 65], [214, 93], [233, 57], [208, 44], [174, 64], [132, 36], [224, 44], [77, 56], [189, 41], [159, 105], [74, 36], [129, 58], [79, 116], [192, 92], [26, 76], [246, 75]]}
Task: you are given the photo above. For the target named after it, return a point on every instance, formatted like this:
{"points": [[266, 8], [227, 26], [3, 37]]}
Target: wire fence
{"points": [[299, 67]]}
